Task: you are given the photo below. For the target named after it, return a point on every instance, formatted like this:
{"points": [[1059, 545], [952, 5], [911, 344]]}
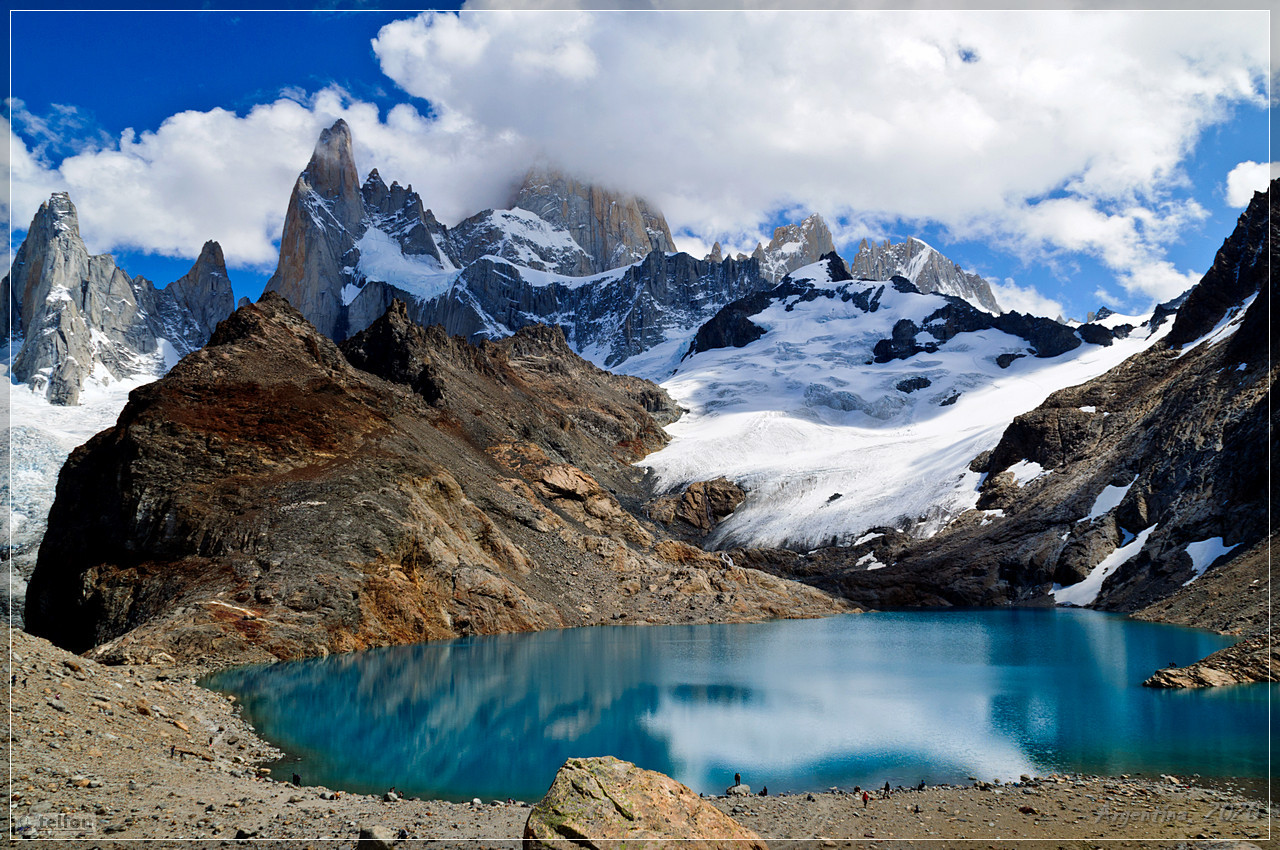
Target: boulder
{"points": [[598, 802], [376, 837]]}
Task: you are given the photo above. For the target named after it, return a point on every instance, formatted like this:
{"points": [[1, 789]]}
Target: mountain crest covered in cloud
{"points": [[615, 229]]}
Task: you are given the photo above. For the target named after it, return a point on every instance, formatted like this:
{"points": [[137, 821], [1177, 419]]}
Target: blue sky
{"points": [[1072, 178]]}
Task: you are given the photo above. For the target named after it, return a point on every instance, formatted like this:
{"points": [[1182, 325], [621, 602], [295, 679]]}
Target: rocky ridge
{"points": [[1250, 660], [923, 266], [81, 316], [610, 317], [794, 246], [732, 325], [269, 499]]}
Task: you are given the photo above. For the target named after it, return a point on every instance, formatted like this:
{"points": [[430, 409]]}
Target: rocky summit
{"points": [[794, 246], [275, 496], [77, 315], [923, 266]]}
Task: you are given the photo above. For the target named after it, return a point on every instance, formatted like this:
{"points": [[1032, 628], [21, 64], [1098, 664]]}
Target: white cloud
{"points": [[218, 175], [28, 180], [1249, 177], [725, 118], [1024, 299]]}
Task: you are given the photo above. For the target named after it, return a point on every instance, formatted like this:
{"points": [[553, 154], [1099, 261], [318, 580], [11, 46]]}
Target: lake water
{"points": [[795, 705]]}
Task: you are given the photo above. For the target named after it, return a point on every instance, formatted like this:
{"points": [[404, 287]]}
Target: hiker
{"points": [[920, 787], [866, 798], [764, 791], [737, 780], [885, 792]]}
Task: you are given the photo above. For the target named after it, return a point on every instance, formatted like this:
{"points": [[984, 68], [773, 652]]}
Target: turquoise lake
{"points": [[794, 705]]}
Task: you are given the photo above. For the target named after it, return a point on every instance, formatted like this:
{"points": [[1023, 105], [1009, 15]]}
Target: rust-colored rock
{"points": [[275, 496], [1247, 661], [607, 803], [702, 505]]}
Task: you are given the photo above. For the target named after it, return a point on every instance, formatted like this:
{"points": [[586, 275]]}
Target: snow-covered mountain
{"points": [[795, 246], [521, 238], [843, 405], [85, 333], [924, 266], [81, 319], [596, 263]]}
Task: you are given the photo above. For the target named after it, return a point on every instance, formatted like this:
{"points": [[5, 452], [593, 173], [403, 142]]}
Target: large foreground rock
{"points": [[604, 802]]}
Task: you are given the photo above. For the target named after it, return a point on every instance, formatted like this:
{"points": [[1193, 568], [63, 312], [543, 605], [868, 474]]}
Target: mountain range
{"points": [[828, 434]]}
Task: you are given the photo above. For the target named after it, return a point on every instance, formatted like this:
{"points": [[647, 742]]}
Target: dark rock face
{"points": [[269, 499], [731, 326], [624, 314], [77, 312], [1239, 269], [1184, 438], [910, 385]]}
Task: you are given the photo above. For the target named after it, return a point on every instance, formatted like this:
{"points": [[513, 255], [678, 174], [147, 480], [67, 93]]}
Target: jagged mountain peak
{"points": [[83, 317], [923, 265], [794, 246], [58, 213], [613, 227], [211, 258], [331, 174], [204, 292]]}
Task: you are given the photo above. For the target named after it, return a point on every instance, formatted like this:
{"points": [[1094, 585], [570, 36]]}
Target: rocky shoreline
{"points": [[117, 753]]}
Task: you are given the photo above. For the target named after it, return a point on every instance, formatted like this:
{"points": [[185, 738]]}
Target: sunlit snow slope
{"points": [[41, 436], [829, 443]]}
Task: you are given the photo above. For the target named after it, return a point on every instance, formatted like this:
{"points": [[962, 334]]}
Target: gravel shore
{"points": [[132, 752]]}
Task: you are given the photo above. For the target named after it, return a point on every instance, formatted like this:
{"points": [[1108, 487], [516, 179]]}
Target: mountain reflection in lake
{"points": [[795, 705]]}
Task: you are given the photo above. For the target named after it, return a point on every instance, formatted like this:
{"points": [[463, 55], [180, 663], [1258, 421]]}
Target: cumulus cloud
{"points": [[1024, 299], [967, 119], [219, 175], [1249, 177], [993, 125]]}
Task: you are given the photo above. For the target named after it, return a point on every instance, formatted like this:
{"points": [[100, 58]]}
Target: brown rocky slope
{"points": [[269, 499]]}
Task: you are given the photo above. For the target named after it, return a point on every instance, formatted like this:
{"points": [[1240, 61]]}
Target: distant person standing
{"points": [[884, 792], [866, 798]]}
